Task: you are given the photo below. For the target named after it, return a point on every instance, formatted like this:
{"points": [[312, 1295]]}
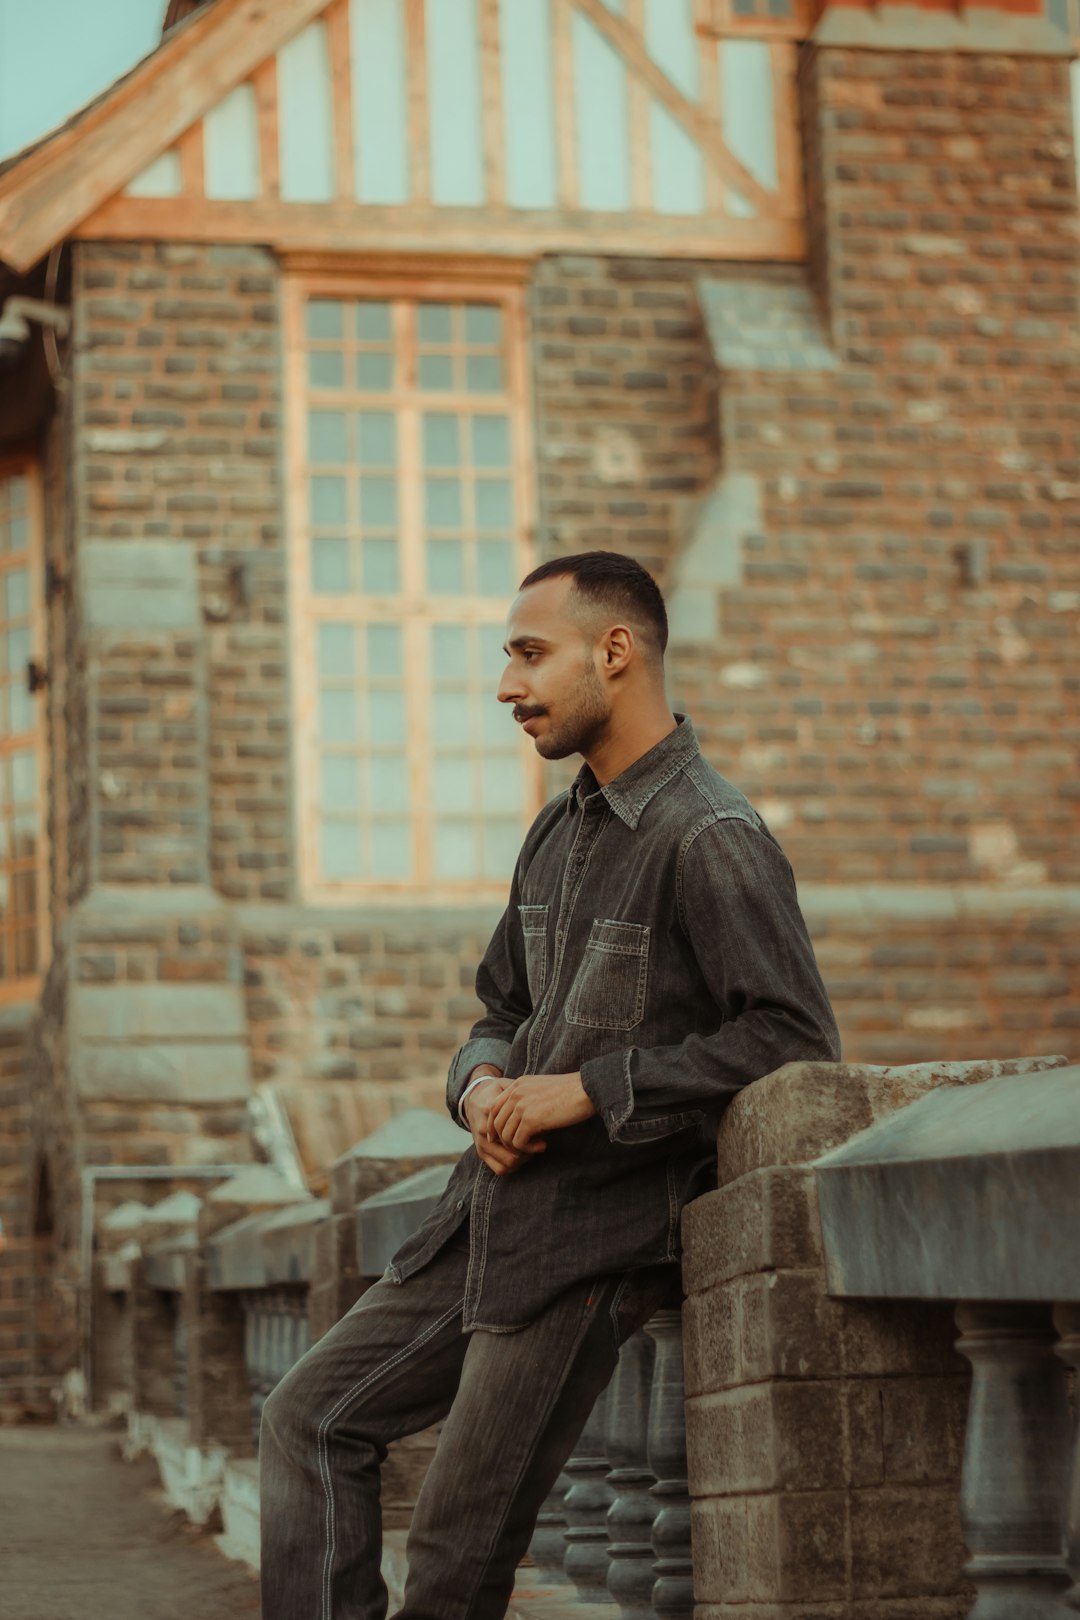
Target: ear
{"points": [[617, 649]]}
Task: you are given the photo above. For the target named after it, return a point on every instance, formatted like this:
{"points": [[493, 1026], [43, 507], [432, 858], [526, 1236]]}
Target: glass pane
{"points": [[372, 321], [483, 373], [337, 715], [494, 504], [389, 783], [326, 438], [26, 950], [328, 502], [21, 708], [436, 373], [491, 441], [326, 369], [495, 569], [391, 849], [498, 728], [18, 651], [492, 654], [379, 567], [18, 493], [483, 323], [18, 533], [25, 830], [503, 787], [375, 371], [454, 785], [446, 567], [376, 439], [442, 439], [24, 893], [434, 323], [378, 502], [449, 653], [450, 718], [336, 650], [501, 842], [442, 503], [329, 566], [3, 709], [384, 650], [23, 778], [339, 787], [386, 716], [455, 849], [325, 318], [340, 844], [17, 594]]}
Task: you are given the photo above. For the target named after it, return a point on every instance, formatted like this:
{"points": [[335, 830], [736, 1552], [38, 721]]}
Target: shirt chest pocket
{"points": [[534, 921], [609, 989]]}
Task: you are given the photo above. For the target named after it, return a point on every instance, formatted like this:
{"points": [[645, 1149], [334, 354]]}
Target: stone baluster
{"points": [[1068, 1324], [630, 1517], [548, 1546], [1015, 1457], [673, 1593], [585, 1506]]}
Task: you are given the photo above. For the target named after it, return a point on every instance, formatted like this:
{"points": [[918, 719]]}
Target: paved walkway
{"points": [[86, 1536]]}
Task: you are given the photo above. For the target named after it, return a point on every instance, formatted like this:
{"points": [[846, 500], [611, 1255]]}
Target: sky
{"points": [[55, 55]]}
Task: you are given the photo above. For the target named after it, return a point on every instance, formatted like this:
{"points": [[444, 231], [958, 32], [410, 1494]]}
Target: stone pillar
{"points": [[673, 1593], [547, 1549], [630, 1517], [586, 1506], [1068, 1326], [1015, 1460]]}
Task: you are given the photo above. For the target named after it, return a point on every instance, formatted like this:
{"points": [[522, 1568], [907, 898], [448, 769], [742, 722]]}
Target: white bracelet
{"points": [[472, 1085]]}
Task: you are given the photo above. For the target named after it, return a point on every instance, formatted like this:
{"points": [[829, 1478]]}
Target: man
{"points": [[652, 961]]}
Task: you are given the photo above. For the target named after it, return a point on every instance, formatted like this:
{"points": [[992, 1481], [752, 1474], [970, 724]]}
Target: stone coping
{"points": [[267, 1249], [981, 29], [969, 1193]]}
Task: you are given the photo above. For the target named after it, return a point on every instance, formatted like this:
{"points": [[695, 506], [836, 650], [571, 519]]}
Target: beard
{"points": [[582, 726]]}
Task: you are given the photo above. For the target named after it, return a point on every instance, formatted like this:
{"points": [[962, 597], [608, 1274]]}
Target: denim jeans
{"points": [[513, 1403]]}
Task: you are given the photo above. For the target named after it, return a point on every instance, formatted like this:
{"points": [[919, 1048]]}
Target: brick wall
{"points": [[176, 424], [16, 1264]]}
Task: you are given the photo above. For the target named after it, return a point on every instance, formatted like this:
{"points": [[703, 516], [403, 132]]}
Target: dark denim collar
{"points": [[630, 792]]}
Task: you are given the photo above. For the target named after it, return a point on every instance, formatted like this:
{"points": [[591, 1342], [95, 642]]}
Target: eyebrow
{"points": [[520, 642]]}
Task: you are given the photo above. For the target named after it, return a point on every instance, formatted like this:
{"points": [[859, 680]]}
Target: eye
{"points": [[530, 654]]}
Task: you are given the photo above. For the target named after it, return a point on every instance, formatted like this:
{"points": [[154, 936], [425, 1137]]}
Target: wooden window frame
{"points": [[395, 279], [27, 986]]}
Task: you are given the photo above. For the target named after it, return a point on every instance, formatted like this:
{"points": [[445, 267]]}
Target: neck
{"points": [[627, 739]]}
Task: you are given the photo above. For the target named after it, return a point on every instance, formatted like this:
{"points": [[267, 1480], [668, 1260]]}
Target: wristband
{"points": [[477, 1080]]}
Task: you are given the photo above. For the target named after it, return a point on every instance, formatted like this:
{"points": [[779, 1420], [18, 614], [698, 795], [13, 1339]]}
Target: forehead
{"points": [[543, 611]]}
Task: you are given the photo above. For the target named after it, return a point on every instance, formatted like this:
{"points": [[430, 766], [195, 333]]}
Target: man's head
{"points": [[585, 638]]}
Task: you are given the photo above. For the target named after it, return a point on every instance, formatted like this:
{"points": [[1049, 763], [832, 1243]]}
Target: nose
{"points": [[511, 687]]}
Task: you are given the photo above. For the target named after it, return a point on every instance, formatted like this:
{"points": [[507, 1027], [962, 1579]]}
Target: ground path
{"points": [[86, 1536]]}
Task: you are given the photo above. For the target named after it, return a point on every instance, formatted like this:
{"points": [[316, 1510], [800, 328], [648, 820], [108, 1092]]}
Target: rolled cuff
{"points": [[609, 1085], [484, 1049]]}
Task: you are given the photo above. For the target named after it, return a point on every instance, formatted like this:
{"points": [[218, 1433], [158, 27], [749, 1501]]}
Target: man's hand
{"points": [[537, 1103], [480, 1106]]}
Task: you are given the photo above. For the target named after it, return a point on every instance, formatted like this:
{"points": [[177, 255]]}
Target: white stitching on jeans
{"points": [[324, 1460]]}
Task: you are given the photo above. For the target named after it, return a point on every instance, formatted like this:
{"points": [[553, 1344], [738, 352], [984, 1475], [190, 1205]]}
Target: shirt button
{"points": [[461, 1203]]}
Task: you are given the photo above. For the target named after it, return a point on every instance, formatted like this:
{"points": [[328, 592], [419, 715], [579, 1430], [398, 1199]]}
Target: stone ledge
{"points": [[979, 31]]}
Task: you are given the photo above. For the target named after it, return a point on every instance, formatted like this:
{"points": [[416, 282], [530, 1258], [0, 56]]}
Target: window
{"points": [[409, 533], [22, 854]]}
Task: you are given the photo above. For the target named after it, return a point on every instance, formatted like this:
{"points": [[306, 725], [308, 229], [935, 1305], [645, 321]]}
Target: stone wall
{"points": [[16, 1216]]}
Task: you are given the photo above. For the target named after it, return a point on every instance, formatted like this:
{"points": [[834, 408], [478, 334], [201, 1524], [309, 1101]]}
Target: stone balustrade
{"points": [[841, 1456]]}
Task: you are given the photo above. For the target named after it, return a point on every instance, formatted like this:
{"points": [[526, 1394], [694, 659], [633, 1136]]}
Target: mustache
{"points": [[521, 714]]}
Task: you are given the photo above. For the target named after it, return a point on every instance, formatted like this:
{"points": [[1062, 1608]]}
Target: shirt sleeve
{"points": [[739, 909], [502, 986]]}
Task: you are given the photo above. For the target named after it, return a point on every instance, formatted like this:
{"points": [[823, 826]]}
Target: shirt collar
{"points": [[630, 792]]}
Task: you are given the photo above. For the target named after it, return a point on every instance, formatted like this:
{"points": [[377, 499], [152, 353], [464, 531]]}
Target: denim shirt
{"points": [[653, 942]]}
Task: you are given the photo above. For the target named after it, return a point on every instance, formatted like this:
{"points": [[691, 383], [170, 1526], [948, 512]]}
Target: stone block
{"points": [[765, 1221], [149, 1012], [906, 1541], [766, 1437], [145, 587], [167, 1071]]}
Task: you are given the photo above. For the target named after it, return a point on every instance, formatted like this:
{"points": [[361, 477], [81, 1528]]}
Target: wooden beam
{"points": [[264, 82], [339, 227], [562, 63], [190, 149], [641, 198], [46, 195], [706, 131], [492, 103], [789, 160], [419, 138], [709, 87], [337, 40]]}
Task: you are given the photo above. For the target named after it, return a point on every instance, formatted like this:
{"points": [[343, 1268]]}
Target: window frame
{"points": [[23, 987], [396, 279]]}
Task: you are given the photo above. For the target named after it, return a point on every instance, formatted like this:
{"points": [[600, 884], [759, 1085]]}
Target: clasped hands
{"points": [[510, 1119]]}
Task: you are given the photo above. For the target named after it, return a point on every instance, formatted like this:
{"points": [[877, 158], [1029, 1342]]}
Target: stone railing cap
{"points": [[424, 1184], [419, 1133], [258, 1184]]}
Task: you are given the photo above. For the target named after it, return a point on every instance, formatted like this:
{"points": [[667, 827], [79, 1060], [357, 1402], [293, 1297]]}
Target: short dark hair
{"points": [[613, 582]]}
